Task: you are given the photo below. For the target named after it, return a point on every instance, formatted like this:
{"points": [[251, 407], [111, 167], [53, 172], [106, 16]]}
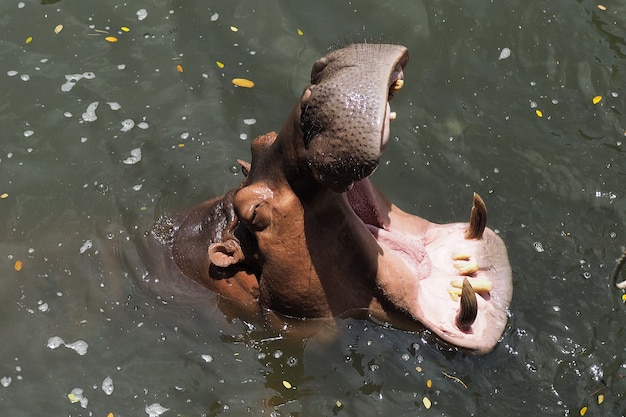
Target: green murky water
{"points": [[79, 180]]}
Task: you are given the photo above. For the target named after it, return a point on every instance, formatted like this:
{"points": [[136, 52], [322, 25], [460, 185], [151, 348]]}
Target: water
{"points": [[79, 181]]}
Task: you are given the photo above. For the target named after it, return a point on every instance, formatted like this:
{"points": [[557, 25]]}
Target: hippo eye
{"points": [[258, 219]]}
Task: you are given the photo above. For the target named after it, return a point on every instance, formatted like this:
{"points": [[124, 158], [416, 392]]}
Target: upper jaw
{"points": [[344, 115]]}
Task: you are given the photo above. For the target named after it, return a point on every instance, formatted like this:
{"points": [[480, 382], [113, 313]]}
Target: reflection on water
{"points": [[101, 138]]}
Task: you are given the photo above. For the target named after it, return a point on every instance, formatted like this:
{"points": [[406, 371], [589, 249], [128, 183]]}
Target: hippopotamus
{"points": [[308, 235]]}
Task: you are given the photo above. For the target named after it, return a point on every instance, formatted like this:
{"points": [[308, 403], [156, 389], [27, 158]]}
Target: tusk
{"points": [[468, 309], [478, 219]]}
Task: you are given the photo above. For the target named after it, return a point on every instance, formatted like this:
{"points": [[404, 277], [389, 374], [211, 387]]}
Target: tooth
{"points": [[393, 115], [466, 268], [397, 85], [468, 309], [478, 219], [479, 285]]}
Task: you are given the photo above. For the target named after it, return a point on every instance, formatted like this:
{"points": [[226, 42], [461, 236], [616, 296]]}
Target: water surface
{"points": [[499, 99]]}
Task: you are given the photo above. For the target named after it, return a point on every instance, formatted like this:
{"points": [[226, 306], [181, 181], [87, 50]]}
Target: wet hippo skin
{"points": [[308, 235]]}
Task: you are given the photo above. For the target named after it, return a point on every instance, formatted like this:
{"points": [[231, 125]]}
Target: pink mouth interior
{"points": [[411, 248]]}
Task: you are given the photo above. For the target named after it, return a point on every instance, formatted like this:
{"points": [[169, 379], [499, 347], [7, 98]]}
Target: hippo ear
{"points": [[225, 254], [245, 167]]}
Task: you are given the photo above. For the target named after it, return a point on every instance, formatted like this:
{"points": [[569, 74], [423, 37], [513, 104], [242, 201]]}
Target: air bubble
{"points": [[102, 188], [142, 14], [127, 125]]}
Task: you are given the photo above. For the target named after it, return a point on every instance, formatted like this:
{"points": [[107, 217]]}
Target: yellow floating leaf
{"points": [[624, 297], [125, 29], [111, 39], [72, 397], [58, 29], [181, 145], [18, 265], [234, 28], [242, 82], [300, 32], [110, 415], [601, 7], [538, 113], [219, 64], [338, 404], [583, 411], [418, 368], [29, 39], [179, 68], [600, 398], [426, 402], [597, 99], [286, 384], [429, 383], [4, 195]]}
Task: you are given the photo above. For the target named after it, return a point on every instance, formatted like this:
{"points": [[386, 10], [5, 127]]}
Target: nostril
{"points": [[318, 67]]}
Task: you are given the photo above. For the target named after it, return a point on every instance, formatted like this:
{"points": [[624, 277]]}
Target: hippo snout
{"points": [[345, 112]]}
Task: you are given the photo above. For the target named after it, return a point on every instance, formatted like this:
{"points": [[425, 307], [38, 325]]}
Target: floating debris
{"points": [[58, 29], [242, 82], [4, 195], [77, 396], [86, 246], [601, 7], [72, 79], [111, 39], [179, 68], [504, 54], [29, 39], [219, 64], [125, 29], [141, 14], [300, 32], [426, 402], [107, 385], [90, 112], [234, 29], [583, 411], [18, 265], [287, 385], [127, 125], [135, 156], [155, 410], [597, 99]]}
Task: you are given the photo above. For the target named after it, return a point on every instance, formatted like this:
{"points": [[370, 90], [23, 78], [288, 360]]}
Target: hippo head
{"points": [[308, 234]]}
